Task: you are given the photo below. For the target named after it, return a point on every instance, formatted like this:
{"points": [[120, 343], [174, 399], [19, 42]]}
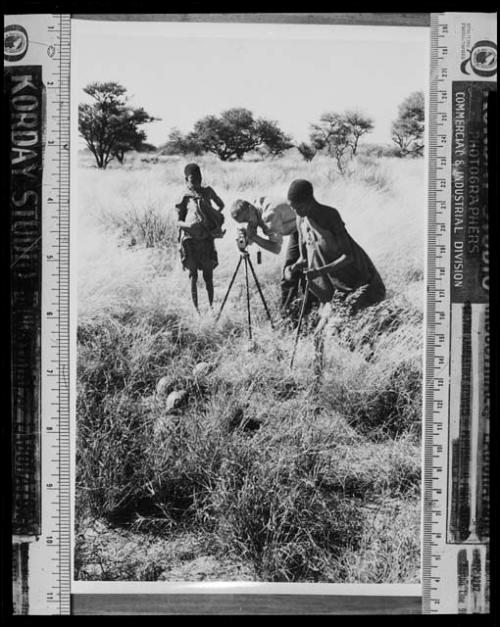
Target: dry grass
{"points": [[295, 479]]}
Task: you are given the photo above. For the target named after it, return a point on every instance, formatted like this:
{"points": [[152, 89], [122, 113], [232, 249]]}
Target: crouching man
{"points": [[334, 264]]}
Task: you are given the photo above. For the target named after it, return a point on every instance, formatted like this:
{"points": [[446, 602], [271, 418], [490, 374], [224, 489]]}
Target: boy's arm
{"points": [[181, 208], [218, 201]]}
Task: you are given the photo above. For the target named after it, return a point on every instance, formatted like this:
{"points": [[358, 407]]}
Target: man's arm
{"points": [[336, 226], [295, 259], [272, 245], [338, 263]]}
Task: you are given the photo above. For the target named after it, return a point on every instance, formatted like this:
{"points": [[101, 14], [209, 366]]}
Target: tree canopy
{"points": [[338, 134], [110, 126], [230, 135], [408, 128]]}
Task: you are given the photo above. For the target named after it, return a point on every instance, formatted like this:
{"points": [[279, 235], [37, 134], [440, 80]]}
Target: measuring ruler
{"points": [[37, 60], [455, 551]]}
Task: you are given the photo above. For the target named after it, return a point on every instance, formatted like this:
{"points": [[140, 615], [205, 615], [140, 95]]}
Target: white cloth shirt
{"points": [[277, 216]]}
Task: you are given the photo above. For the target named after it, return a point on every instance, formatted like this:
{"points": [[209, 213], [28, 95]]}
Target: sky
{"points": [[290, 73]]}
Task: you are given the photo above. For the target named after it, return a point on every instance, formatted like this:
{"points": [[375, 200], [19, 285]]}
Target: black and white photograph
{"points": [[248, 253]]}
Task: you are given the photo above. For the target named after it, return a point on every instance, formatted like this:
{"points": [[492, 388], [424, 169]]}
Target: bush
{"points": [[275, 514], [148, 228], [374, 374], [378, 150], [110, 451]]}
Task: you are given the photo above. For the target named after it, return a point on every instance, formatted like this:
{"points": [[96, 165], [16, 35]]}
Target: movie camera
{"points": [[242, 239]]}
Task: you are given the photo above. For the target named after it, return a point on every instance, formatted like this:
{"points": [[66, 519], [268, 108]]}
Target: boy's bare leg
{"points": [[194, 289], [208, 277]]}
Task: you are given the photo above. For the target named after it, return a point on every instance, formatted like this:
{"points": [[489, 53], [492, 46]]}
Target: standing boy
{"points": [[199, 224]]}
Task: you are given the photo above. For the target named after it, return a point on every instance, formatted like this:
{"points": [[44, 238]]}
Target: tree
{"points": [[235, 132], [332, 135], [408, 128], [272, 137], [306, 150], [231, 134], [179, 144], [109, 125], [359, 125], [339, 133]]}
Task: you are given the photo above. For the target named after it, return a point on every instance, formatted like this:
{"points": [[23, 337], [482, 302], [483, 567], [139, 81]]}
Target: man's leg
{"points": [[193, 275], [289, 292], [373, 293], [208, 277], [289, 289]]}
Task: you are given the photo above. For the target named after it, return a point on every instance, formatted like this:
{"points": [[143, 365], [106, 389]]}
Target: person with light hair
{"points": [[268, 222]]}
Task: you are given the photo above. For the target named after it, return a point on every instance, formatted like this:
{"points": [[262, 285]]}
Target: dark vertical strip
{"points": [[483, 464], [23, 86], [16, 578], [24, 554], [462, 581], [453, 521], [483, 442], [487, 581], [464, 430], [475, 581]]}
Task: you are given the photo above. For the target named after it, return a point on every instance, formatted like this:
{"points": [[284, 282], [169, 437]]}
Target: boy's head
{"points": [[300, 196], [192, 174], [242, 211]]}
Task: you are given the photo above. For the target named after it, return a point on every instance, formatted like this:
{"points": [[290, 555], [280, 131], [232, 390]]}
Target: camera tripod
{"points": [[245, 258]]}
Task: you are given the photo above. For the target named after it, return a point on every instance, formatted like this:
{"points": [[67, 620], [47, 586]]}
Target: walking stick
{"points": [[302, 310]]}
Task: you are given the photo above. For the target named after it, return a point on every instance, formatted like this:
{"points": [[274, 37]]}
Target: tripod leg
{"points": [[248, 299], [260, 292], [228, 290], [303, 308]]}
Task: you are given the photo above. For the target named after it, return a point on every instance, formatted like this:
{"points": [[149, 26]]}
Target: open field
{"points": [[264, 473]]}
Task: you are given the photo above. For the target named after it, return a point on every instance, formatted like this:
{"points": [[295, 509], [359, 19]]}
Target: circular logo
{"points": [[482, 59], [15, 42]]}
